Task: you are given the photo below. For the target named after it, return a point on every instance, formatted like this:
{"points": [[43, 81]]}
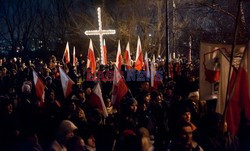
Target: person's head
{"points": [[7, 105], [157, 97], [9, 108], [81, 95], [50, 95], [66, 130], [54, 71], [142, 107], [132, 103], [184, 133], [89, 139], [71, 107], [145, 86], [19, 59], [185, 114], [80, 114], [194, 96], [26, 88], [48, 80], [76, 143], [4, 71], [147, 98], [169, 91], [107, 102], [146, 144], [88, 91]]}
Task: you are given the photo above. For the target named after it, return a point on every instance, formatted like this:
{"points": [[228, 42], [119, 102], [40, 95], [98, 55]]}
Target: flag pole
{"points": [[237, 20], [167, 43]]}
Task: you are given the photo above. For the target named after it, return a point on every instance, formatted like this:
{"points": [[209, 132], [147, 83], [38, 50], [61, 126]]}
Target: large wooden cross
{"points": [[100, 32]]}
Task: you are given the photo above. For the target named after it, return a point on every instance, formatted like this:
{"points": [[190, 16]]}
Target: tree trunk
{"points": [[159, 26]]}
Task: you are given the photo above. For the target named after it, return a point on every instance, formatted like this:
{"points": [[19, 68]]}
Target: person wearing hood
{"points": [[65, 131]]}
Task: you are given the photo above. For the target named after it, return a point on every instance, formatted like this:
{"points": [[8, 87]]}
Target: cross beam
{"points": [[100, 32]]}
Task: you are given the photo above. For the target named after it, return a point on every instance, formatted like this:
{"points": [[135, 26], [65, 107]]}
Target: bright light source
{"points": [[100, 32]]}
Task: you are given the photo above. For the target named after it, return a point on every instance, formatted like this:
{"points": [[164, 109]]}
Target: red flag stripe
{"points": [[91, 62], [66, 55], [139, 56], [127, 58], [120, 88], [119, 56], [238, 96]]}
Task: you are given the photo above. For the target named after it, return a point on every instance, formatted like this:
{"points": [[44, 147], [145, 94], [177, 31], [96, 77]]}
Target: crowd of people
{"points": [[167, 118]]}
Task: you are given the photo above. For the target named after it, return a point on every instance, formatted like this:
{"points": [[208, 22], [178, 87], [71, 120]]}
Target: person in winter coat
{"points": [[65, 131]]}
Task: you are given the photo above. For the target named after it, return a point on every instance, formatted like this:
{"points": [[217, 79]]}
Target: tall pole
{"points": [[174, 30], [237, 20], [167, 41]]}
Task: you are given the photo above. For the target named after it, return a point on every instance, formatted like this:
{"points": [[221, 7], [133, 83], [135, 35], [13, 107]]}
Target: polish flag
{"points": [[74, 56], [105, 60], [66, 54], [170, 69], [127, 57], [39, 86], [119, 57], [119, 89], [239, 95], [66, 82], [146, 65], [139, 56], [96, 100], [155, 77], [91, 58]]}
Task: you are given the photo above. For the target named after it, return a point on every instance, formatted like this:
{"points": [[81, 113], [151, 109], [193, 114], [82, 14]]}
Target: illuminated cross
{"points": [[100, 32]]}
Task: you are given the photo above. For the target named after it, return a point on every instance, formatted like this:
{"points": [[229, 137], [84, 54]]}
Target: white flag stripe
{"points": [[98, 92]]}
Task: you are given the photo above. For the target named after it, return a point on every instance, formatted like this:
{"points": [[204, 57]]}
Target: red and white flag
{"points": [[212, 66], [146, 65], [119, 56], [74, 56], [119, 89], [39, 86], [170, 70], [155, 77], [91, 63], [105, 60], [66, 55], [127, 57], [96, 100], [239, 95], [139, 56], [66, 82]]}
